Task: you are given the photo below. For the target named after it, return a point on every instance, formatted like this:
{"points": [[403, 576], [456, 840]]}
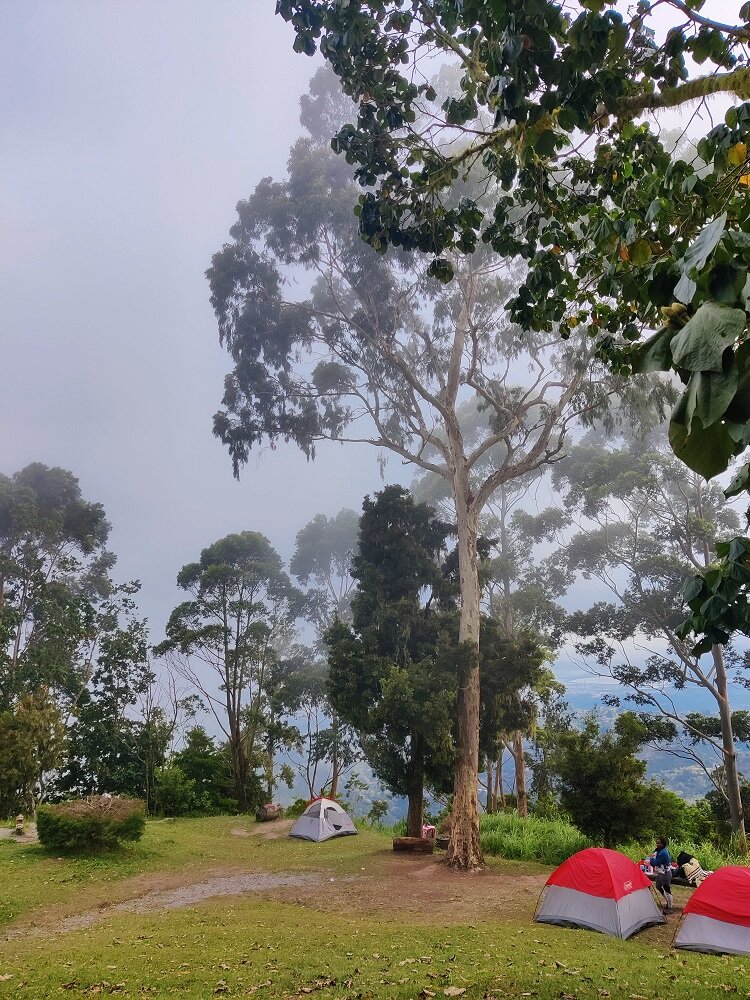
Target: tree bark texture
{"points": [[734, 797], [520, 766], [465, 850], [415, 789]]}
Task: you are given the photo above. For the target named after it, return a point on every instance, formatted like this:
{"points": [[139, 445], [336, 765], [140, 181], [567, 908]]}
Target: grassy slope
{"points": [[232, 946]]}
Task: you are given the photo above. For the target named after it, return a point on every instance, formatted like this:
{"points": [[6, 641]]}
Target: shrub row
{"points": [[95, 824]]}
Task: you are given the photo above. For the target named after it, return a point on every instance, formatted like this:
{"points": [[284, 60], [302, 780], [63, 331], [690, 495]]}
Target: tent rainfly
{"points": [[717, 915], [322, 820], [599, 890]]}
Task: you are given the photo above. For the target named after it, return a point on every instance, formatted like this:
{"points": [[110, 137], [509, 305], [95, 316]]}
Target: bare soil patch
{"points": [[419, 887], [29, 836], [270, 830], [425, 889]]}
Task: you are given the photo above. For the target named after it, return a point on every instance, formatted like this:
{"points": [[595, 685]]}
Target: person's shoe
{"points": [[667, 910]]}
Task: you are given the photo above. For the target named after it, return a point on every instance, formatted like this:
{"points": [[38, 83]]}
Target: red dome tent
{"points": [[717, 915], [599, 890]]}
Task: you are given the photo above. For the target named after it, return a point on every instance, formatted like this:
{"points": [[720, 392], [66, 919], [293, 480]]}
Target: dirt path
{"points": [[422, 888], [188, 894]]}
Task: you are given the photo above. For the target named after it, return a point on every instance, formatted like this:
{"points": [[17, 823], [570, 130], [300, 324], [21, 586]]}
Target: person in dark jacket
{"points": [[661, 862]]}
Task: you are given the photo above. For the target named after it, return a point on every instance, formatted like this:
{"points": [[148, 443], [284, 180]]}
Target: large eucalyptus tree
{"points": [[333, 342]]}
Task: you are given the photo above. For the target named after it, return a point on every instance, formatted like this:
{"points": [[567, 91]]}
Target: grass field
{"points": [[380, 929]]}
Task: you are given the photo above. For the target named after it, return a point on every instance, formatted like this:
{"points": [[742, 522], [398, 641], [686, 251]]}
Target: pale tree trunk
{"points": [[499, 795], [520, 766], [734, 797], [415, 789], [465, 850], [335, 765], [510, 630], [490, 808]]}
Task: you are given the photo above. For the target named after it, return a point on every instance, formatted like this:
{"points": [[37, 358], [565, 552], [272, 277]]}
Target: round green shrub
{"points": [[90, 825]]}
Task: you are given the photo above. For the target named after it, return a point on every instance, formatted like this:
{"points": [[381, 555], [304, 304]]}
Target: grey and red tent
{"points": [[717, 915], [599, 890]]}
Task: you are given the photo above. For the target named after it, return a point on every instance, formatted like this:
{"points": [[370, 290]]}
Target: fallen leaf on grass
{"points": [[454, 991], [5, 977], [426, 994], [407, 961]]}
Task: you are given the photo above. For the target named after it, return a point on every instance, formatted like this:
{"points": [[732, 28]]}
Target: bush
{"points": [[546, 841], [176, 794], [89, 825], [296, 808]]}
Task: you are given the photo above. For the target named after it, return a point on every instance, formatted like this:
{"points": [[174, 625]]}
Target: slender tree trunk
{"points": [[490, 804], [465, 851], [415, 789], [335, 765], [499, 787], [520, 764], [734, 796], [239, 767]]}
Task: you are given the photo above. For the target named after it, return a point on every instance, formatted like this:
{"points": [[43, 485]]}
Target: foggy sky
{"points": [[129, 129], [128, 132]]}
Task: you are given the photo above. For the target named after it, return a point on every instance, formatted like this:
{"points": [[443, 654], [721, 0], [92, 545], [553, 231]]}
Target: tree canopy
{"points": [[556, 107]]}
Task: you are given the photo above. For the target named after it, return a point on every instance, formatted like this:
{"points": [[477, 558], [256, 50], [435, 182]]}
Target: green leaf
{"points": [[704, 244], [726, 282], [654, 354], [701, 343], [714, 393], [442, 270], [545, 143], [740, 483], [685, 289], [692, 589], [705, 450], [640, 252], [739, 409]]}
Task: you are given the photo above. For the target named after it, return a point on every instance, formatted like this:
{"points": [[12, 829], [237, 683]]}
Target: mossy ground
{"points": [[379, 931]]}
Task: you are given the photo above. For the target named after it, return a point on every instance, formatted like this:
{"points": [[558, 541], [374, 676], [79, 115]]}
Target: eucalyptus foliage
{"points": [[556, 106]]}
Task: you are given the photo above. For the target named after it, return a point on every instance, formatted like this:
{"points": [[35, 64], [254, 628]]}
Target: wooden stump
{"points": [[418, 845], [442, 843], [271, 810]]}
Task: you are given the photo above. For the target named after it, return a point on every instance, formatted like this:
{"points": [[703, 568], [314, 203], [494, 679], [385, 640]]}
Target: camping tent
{"points": [[600, 890], [717, 915], [322, 820]]}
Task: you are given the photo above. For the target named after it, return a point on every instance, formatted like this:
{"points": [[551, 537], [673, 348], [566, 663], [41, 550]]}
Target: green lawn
{"points": [[250, 946]]}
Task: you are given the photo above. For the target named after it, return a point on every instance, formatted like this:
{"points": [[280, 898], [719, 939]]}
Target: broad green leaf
{"points": [[705, 450], [685, 289], [740, 483], [701, 343], [685, 407], [704, 244], [714, 393], [693, 588], [654, 354], [545, 143], [640, 252]]}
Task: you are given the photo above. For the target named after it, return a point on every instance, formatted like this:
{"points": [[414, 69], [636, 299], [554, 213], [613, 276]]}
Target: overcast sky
{"points": [[128, 132]]}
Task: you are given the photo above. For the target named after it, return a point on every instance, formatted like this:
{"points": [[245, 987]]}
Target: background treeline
{"points": [[341, 675]]}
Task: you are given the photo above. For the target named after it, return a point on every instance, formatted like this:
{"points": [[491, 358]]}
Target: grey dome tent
{"points": [[599, 890], [322, 820]]}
